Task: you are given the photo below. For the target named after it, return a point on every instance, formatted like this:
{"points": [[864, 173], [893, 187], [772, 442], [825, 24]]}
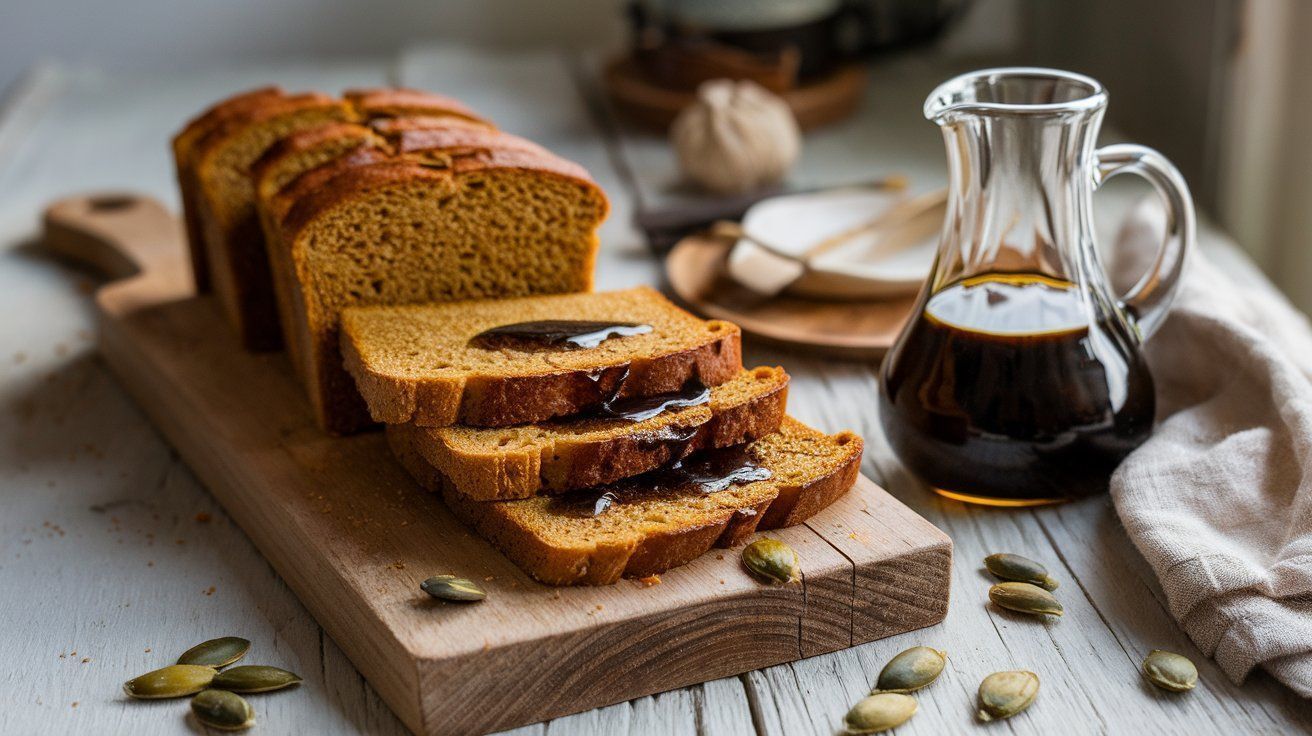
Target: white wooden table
{"points": [[113, 559]]}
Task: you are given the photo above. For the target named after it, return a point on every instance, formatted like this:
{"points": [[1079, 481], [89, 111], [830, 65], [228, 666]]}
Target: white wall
{"points": [[127, 34]]}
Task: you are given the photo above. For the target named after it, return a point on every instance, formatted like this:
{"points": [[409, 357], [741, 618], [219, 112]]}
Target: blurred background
{"points": [[1219, 86]]}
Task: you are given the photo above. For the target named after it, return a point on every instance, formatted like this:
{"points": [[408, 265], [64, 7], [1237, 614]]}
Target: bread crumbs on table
{"points": [[719, 557], [147, 650], [650, 580], [210, 590], [203, 517], [85, 660], [75, 702]]}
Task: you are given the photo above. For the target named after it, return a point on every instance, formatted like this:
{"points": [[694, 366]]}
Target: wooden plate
{"points": [[696, 271], [824, 101]]}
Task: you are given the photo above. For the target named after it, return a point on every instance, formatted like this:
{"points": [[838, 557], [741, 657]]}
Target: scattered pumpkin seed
{"points": [[879, 712], [223, 710], [772, 561], [1007, 566], [1025, 598], [254, 678], [1004, 694], [219, 652], [1170, 671], [173, 681], [452, 588], [910, 670]]}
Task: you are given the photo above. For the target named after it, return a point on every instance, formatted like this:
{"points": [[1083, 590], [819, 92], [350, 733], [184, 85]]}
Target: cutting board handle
{"points": [[120, 234]]}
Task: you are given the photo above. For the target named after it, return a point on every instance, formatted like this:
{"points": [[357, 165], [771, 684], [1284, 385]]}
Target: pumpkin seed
{"points": [[254, 678], [1025, 598], [1004, 694], [223, 710], [1170, 671], [910, 670], [452, 588], [772, 561], [1007, 566], [173, 681], [880, 712], [219, 652]]}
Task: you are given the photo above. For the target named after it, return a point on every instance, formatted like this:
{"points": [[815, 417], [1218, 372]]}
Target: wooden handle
{"points": [[119, 234]]}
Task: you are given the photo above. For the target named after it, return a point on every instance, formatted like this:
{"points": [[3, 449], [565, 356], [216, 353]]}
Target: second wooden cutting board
{"points": [[353, 535]]}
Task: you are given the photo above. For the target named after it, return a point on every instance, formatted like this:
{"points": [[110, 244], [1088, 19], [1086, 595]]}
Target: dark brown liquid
{"points": [[711, 471], [1001, 392], [555, 334], [642, 408]]}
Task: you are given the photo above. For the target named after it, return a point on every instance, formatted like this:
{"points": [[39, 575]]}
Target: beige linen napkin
{"points": [[1219, 500]]}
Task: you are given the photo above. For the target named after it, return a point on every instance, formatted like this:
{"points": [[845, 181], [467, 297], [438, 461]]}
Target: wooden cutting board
{"points": [[353, 536]]}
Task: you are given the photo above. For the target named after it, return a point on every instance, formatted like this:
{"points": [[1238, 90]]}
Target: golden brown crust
{"points": [[396, 102], [302, 141]]}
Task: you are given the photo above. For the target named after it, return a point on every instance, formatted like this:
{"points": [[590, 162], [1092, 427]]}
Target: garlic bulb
{"points": [[736, 137]]}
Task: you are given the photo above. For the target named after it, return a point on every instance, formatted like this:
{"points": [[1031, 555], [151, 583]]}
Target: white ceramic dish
{"points": [[873, 265]]}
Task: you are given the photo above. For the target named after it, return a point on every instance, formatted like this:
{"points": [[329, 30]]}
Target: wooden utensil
{"points": [[354, 536]]}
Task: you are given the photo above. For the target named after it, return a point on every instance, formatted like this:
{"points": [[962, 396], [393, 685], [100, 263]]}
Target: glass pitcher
{"points": [[1019, 379]]}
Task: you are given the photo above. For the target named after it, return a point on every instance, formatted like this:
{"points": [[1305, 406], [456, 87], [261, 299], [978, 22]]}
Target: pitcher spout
{"points": [[1015, 91]]}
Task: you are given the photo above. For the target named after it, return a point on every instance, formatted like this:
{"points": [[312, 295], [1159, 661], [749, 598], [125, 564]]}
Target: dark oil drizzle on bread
{"points": [[710, 471], [555, 334]]}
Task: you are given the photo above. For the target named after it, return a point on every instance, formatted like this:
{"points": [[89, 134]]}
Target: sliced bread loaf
{"points": [[221, 161], [501, 219], [554, 457], [421, 364], [596, 536]]}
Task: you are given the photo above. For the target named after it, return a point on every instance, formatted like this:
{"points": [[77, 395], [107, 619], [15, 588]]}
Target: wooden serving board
{"points": [[353, 536]]}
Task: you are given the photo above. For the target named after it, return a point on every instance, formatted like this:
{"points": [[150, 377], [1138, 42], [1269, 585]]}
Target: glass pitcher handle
{"points": [[1149, 299]]}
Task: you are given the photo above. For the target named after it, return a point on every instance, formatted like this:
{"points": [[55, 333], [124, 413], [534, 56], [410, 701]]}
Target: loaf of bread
{"points": [[553, 457], [215, 155], [581, 538], [421, 364]]}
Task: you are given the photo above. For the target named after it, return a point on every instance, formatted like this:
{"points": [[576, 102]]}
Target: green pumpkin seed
{"points": [[223, 710], [219, 652], [910, 670], [1025, 598], [173, 681], [1004, 694], [1170, 671], [254, 678], [772, 561], [880, 712], [1007, 566], [452, 588]]}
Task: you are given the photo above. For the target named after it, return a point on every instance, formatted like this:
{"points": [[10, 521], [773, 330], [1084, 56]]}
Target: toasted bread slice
{"points": [[560, 540], [559, 456], [419, 364]]}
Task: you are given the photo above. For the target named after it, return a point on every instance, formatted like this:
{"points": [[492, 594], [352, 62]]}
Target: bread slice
{"points": [[554, 457], [419, 364], [560, 541], [184, 144], [499, 219], [233, 243]]}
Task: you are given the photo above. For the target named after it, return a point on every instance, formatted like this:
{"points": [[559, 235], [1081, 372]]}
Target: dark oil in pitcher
{"points": [[1005, 391]]}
